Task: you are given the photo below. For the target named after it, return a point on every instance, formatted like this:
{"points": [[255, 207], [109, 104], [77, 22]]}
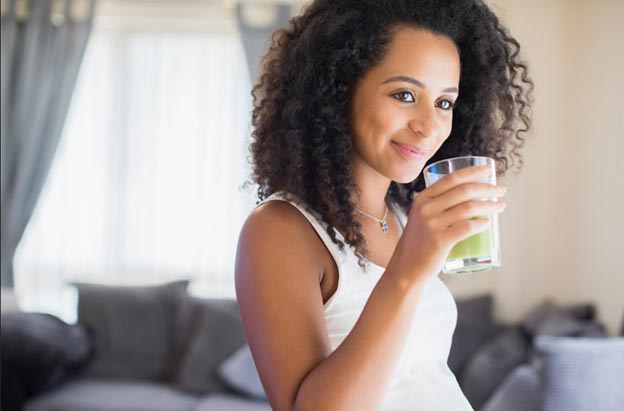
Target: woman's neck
{"points": [[372, 189]]}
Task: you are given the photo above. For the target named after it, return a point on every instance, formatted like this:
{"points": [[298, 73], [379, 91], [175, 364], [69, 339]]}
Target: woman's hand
{"points": [[442, 215]]}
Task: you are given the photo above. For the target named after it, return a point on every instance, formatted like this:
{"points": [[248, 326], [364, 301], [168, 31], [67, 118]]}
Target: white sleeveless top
{"points": [[422, 380]]}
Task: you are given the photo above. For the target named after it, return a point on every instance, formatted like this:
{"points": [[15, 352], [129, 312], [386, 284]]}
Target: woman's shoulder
{"points": [[285, 208], [279, 209], [277, 215], [279, 229]]}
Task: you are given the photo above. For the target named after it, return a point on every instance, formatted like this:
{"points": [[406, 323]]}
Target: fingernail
{"points": [[501, 189]]}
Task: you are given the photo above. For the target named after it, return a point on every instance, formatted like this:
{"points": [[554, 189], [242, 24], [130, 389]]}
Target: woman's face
{"points": [[402, 109]]}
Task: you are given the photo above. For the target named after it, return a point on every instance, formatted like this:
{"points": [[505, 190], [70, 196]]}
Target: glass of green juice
{"points": [[481, 251]]}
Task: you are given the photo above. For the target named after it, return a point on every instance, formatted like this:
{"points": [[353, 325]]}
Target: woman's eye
{"points": [[446, 105], [404, 96]]}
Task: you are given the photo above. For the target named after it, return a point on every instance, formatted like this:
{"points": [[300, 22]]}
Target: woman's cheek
{"points": [[389, 122]]}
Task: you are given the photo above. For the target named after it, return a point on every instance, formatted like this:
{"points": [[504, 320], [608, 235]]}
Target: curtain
{"points": [[256, 24], [41, 52], [149, 182]]}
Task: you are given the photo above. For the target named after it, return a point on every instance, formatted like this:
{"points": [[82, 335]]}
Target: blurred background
{"points": [[125, 134], [146, 183]]}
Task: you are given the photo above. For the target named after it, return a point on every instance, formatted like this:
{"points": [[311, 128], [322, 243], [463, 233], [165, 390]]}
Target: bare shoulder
{"points": [[279, 262], [276, 230]]}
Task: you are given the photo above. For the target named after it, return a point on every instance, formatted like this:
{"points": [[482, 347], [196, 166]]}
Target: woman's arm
{"points": [[357, 374]]}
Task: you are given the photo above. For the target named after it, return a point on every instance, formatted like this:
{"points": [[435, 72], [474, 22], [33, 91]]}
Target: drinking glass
{"points": [[481, 251]]}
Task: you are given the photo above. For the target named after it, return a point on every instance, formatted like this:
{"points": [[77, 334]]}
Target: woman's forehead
{"points": [[417, 53]]}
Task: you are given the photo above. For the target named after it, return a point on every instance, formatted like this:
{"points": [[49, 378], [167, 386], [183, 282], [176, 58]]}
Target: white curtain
{"points": [[146, 186]]}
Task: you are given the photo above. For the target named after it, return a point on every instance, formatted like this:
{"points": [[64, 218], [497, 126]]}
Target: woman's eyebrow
{"points": [[418, 83]]}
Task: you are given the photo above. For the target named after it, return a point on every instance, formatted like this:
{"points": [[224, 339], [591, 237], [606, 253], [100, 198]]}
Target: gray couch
{"points": [[556, 358], [158, 349]]}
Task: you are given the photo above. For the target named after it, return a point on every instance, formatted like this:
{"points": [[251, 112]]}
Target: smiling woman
{"points": [[336, 273]]}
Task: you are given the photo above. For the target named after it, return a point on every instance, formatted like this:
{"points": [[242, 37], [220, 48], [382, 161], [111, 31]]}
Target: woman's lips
{"points": [[411, 152]]}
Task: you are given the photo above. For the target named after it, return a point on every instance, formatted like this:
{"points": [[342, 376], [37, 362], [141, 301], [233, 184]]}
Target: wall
{"points": [[562, 232]]}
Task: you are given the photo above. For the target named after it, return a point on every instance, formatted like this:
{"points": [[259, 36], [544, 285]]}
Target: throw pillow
{"points": [[39, 352], [216, 334], [520, 391], [581, 374], [133, 328], [551, 319], [189, 313], [492, 363], [239, 372], [474, 328]]}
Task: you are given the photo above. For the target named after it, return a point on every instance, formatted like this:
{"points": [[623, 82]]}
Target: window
{"points": [[147, 182]]}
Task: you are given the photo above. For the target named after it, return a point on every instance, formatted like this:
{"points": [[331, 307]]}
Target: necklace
{"points": [[382, 222]]}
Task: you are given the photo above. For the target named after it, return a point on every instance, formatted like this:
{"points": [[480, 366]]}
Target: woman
{"points": [[337, 268]]}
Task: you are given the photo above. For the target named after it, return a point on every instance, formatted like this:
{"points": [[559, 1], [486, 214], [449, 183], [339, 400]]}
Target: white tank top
{"points": [[422, 380]]}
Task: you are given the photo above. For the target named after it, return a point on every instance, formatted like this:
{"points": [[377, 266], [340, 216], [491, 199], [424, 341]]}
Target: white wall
{"points": [[563, 230]]}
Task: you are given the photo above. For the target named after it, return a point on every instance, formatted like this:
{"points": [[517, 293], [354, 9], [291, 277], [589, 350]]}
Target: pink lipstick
{"points": [[409, 151]]}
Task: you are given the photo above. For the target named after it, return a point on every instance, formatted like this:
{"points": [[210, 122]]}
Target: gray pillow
{"points": [[550, 319], [188, 316], [239, 372], [581, 374], [216, 334], [489, 367], [520, 391], [132, 328]]}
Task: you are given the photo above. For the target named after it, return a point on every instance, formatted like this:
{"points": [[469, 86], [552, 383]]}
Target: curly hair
{"points": [[301, 140]]}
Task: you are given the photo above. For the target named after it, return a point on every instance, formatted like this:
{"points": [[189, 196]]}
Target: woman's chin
{"points": [[406, 177]]}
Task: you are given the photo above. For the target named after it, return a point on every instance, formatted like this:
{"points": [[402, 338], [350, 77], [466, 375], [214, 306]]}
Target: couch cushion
{"points": [[216, 333], [520, 391], [133, 328], [551, 319], [474, 328], [239, 372], [581, 374], [492, 363], [108, 395], [223, 402]]}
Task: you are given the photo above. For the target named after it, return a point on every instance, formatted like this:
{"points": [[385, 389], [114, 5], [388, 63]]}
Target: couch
{"points": [[153, 348], [159, 348], [556, 358]]}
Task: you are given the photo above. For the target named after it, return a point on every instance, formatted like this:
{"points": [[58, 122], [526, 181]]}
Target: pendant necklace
{"points": [[382, 222]]}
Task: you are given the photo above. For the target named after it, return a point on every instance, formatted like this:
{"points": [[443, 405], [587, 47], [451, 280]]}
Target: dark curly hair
{"points": [[300, 139]]}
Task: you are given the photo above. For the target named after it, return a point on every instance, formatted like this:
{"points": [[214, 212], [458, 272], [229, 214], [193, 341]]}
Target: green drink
{"points": [[473, 254], [481, 251], [476, 246]]}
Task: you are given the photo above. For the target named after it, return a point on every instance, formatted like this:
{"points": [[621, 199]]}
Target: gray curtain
{"points": [[256, 40], [40, 57]]}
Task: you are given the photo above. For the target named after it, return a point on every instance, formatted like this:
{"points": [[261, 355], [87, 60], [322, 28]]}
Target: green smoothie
{"points": [[479, 252], [478, 245]]}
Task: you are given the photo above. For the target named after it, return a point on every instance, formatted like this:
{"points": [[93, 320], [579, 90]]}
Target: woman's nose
{"points": [[424, 122]]}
